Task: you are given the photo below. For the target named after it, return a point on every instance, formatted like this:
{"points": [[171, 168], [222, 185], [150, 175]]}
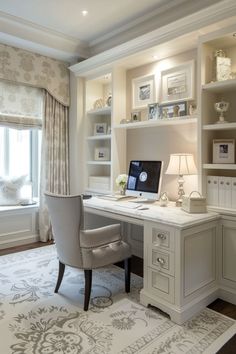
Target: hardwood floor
{"points": [[218, 305]]}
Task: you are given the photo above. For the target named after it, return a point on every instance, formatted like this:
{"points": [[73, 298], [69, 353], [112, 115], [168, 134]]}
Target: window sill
{"points": [[10, 208]]}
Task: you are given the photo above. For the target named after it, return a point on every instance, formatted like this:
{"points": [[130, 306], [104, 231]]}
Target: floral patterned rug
{"points": [[34, 320]]}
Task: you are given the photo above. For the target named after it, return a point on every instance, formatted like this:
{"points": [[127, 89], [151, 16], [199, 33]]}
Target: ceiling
{"points": [[57, 27]]}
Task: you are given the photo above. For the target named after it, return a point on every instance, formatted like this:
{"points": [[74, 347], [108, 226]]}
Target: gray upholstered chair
{"points": [[84, 249]]}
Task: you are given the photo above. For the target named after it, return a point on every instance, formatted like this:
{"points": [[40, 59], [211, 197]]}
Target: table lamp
{"points": [[181, 164]]}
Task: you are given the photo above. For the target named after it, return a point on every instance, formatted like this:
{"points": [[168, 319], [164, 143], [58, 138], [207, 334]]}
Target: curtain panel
{"points": [[55, 158], [18, 65]]}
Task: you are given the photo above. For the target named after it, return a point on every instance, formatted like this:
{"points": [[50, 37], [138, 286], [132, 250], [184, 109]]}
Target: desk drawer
{"points": [[163, 238], [162, 261], [161, 285]]}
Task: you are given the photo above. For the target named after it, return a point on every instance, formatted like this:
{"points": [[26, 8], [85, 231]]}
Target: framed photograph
{"points": [[153, 111], [223, 151], [173, 110], [178, 83], [143, 91], [101, 154], [136, 116], [100, 128]]}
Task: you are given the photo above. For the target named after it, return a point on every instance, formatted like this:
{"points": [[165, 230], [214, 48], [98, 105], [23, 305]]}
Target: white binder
{"points": [[212, 190]]}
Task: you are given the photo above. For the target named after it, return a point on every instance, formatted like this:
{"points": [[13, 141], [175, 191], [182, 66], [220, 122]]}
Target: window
{"points": [[20, 155], [20, 134]]}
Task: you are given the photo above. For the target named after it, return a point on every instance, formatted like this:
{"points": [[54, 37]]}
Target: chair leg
{"points": [[60, 276], [127, 264], [88, 285]]}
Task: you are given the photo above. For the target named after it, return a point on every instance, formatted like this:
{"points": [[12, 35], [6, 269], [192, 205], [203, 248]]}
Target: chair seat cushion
{"points": [[109, 254]]}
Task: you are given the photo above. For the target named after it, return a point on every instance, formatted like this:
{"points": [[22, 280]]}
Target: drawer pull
{"points": [[161, 236], [161, 261]]}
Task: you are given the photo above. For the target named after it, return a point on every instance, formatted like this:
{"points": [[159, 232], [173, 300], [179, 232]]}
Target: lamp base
{"points": [[180, 191]]}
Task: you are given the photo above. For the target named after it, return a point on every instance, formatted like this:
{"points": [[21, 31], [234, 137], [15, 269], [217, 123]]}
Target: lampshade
{"points": [[181, 164]]}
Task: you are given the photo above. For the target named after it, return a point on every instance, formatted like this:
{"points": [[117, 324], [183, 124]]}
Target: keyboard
{"points": [[127, 205]]}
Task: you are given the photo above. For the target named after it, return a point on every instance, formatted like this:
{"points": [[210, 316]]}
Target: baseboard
{"points": [[19, 241], [227, 294]]}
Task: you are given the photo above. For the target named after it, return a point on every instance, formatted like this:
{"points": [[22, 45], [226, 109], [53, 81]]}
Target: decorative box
{"points": [[99, 182], [195, 204]]}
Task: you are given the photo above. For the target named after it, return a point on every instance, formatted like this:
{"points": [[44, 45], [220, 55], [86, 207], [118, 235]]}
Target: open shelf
{"points": [[220, 126], [103, 110], [99, 137], [219, 166], [218, 86], [99, 163], [159, 122]]}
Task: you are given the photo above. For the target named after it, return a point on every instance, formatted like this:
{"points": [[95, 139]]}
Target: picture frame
{"points": [[136, 116], [173, 110], [223, 151], [143, 91], [153, 111], [177, 83], [100, 128], [101, 154]]}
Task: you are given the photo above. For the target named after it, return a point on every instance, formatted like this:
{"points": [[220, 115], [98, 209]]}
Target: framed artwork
{"points": [[223, 151], [143, 91], [172, 110], [100, 128], [178, 83], [101, 154], [135, 116], [153, 111]]}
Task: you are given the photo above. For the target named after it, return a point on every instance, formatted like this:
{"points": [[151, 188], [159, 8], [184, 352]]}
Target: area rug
{"points": [[34, 320]]}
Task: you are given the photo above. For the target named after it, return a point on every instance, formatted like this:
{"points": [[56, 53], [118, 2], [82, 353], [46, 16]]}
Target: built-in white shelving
{"points": [[102, 111], [104, 163], [219, 86], [219, 166], [158, 123], [220, 126], [99, 137]]}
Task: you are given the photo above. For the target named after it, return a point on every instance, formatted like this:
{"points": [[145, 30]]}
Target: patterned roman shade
{"points": [[20, 106]]}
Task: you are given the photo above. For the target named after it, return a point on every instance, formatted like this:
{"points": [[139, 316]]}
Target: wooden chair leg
{"points": [[127, 264], [60, 276], [88, 285]]}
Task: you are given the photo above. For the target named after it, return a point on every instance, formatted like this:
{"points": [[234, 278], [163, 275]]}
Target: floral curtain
{"points": [[55, 158], [18, 65]]}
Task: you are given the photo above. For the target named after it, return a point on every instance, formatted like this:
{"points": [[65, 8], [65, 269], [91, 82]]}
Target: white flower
{"points": [[121, 180]]}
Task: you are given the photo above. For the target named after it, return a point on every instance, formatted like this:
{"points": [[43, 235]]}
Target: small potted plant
{"points": [[121, 182]]}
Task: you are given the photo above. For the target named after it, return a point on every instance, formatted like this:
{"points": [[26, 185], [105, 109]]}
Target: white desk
{"points": [[180, 273]]}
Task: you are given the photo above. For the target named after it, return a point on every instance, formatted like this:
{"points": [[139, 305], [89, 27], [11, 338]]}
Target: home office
{"points": [[163, 96]]}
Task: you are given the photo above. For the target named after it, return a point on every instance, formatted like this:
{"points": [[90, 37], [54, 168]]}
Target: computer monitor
{"points": [[144, 179]]}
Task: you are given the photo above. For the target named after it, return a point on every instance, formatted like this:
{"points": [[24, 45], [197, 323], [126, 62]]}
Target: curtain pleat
{"points": [[55, 158]]}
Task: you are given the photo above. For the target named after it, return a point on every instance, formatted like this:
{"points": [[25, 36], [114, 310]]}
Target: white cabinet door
{"points": [[228, 253]]}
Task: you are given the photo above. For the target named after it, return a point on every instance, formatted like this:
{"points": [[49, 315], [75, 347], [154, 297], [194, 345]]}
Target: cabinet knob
{"points": [[161, 261], [161, 236], [215, 182], [208, 182], [227, 183], [221, 182]]}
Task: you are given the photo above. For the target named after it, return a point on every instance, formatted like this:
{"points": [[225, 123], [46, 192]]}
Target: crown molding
{"points": [[196, 21], [28, 35]]}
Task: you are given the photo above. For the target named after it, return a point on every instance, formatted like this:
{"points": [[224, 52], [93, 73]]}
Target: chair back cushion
{"points": [[67, 217]]}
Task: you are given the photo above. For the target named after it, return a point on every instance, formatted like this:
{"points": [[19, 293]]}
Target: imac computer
{"points": [[144, 180]]}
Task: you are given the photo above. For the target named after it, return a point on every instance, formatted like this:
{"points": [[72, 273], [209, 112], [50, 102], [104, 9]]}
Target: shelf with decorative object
{"points": [[158, 123], [99, 137], [223, 126], [99, 111], [219, 86]]}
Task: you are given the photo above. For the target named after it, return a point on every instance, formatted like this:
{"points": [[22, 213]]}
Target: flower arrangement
{"points": [[121, 182]]}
